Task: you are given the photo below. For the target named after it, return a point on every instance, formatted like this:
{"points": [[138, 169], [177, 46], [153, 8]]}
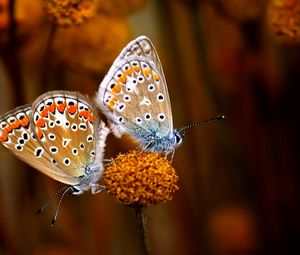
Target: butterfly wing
{"points": [[134, 94], [64, 124], [17, 136]]}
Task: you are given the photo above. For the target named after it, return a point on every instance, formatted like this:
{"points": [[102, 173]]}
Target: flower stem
{"points": [[140, 212]]}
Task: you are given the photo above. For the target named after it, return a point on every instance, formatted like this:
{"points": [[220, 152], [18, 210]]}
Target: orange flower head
{"points": [[284, 20], [69, 12], [141, 178]]}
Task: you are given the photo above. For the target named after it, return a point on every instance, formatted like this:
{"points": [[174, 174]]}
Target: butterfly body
{"points": [[59, 135], [156, 142]]}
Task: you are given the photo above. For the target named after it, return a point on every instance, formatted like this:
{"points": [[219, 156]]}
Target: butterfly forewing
{"points": [[140, 47], [64, 125], [134, 94], [16, 135]]}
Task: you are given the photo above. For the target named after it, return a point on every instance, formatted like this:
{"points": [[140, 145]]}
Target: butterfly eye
{"points": [[178, 139], [160, 97]]}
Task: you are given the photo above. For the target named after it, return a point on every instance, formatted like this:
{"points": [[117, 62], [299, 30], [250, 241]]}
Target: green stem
{"points": [[140, 213]]}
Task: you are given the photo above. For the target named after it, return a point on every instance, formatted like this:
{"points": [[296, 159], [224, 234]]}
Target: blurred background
{"points": [[239, 178]]}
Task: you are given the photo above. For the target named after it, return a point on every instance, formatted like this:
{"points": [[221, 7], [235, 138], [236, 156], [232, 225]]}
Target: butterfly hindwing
{"points": [[17, 136], [64, 125]]}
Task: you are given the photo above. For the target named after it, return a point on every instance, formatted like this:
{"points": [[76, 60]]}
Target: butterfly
{"points": [[135, 99], [61, 136]]}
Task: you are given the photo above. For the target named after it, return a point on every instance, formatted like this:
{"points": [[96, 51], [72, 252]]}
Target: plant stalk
{"points": [[140, 212]]}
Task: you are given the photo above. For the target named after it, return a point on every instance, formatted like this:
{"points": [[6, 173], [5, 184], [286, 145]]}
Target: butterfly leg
{"points": [[96, 188], [107, 161], [147, 146], [171, 157]]}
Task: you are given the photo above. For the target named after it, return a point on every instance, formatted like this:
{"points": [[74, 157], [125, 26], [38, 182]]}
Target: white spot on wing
{"points": [[65, 142], [131, 84], [145, 101]]}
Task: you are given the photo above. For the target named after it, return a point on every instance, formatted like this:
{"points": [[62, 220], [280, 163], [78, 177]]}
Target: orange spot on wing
{"points": [[40, 122], [128, 72], [3, 137], [39, 133], [116, 89], [155, 77], [72, 109], [45, 112], [91, 117], [111, 103], [83, 114], [61, 107], [16, 124], [122, 79], [136, 68], [146, 72], [24, 122], [7, 129], [52, 108]]}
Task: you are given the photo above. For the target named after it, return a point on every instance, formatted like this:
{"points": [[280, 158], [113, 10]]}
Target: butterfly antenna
{"points": [[203, 122], [47, 203], [59, 205]]}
